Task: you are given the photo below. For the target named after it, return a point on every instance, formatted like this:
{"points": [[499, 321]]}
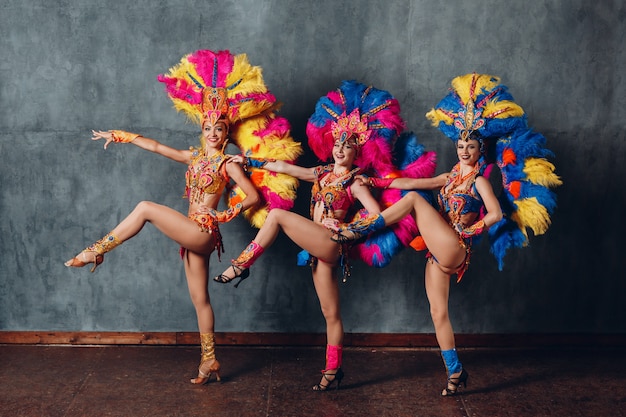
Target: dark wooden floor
{"points": [[37, 380]]}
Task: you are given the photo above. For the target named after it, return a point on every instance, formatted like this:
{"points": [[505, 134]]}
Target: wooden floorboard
{"points": [[413, 340]]}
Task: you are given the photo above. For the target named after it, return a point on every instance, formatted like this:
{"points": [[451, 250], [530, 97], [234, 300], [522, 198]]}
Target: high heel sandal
{"points": [[77, 263], [204, 376], [454, 383], [98, 249], [241, 273], [342, 238], [338, 376]]}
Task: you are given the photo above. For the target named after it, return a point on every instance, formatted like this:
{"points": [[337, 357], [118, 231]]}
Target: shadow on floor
{"points": [[38, 380]]}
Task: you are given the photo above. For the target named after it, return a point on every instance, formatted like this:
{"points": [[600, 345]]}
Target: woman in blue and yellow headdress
{"points": [[486, 126]]}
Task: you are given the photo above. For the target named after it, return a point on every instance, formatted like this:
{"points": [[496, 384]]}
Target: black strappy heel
{"points": [[239, 273], [338, 376], [461, 379], [340, 238]]}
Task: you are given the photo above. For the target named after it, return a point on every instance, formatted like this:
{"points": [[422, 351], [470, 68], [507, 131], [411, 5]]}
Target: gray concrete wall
{"points": [[67, 67]]}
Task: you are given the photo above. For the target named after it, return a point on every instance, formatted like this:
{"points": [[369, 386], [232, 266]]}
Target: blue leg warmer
{"points": [[451, 360]]}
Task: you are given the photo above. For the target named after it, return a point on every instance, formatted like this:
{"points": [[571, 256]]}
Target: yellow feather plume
{"points": [[530, 213], [435, 116], [271, 146], [502, 109], [540, 171], [462, 85]]}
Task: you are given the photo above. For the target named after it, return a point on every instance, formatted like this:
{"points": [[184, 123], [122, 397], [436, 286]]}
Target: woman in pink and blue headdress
{"points": [[356, 126]]}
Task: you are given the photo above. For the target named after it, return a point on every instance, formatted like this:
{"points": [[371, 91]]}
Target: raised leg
{"points": [[303, 232], [442, 241], [170, 222]]}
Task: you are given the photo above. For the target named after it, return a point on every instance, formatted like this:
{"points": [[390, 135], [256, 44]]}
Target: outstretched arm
{"points": [[282, 167], [142, 142], [403, 183]]}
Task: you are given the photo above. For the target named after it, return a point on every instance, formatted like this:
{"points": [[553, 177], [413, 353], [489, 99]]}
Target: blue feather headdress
{"points": [[384, 152], [478, 105]]}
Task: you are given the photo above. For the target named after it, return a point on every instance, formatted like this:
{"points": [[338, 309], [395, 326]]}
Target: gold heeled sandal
{"points": [[78, 263], [98, 249], [205, 371]]}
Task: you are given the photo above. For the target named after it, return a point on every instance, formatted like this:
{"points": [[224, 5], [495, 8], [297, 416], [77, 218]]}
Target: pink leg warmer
{"points": [[333, 357]]}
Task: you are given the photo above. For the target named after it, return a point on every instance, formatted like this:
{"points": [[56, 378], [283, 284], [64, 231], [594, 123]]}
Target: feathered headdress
{"points": [[373, 117], [478, 106], [206, 85], [211, 86]]}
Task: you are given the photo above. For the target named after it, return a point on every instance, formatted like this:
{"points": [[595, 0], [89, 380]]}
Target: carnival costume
{"points": [[371, 118], [211, 87], [206, 84], [479, 107], [384, 151]]}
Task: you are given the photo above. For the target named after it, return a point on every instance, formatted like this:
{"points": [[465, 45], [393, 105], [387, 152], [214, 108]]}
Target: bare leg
{"points": [[326, 286], [441, 240], [327, 289], [196, 271], [170, 222], [438, 291], [305, 233]]}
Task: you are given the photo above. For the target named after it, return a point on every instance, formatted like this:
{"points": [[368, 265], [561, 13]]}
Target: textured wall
{"points": [[70, 66]]}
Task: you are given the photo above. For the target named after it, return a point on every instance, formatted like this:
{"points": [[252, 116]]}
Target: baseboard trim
{"points": [[406, 340]]}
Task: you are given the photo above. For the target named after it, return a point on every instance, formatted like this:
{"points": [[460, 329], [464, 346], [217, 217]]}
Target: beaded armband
{"points": [[227, 215], [121, 136], [380, 182], [257, 162], [475, 229]]}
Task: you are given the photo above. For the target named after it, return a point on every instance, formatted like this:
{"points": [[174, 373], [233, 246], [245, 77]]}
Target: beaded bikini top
{"points": [[205, 175], [335, 193], [458, 199]]}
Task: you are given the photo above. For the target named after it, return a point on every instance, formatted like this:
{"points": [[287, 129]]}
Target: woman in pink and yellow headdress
{"points": [[227, 97]]}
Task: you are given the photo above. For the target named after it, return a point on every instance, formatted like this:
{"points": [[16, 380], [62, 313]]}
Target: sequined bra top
{"points": [[205, 175], [334, 196], [459, 200]]}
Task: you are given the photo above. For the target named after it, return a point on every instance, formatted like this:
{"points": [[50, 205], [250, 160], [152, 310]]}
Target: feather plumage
{"points": [[384, 154], [527, 200], [254, 126]]}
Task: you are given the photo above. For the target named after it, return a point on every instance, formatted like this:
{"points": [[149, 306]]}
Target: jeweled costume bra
{"points": [[333, 195], [205, 175]]}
